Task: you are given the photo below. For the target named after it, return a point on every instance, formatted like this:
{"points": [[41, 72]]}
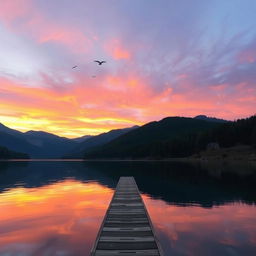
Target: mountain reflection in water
{"points": [[56, 208]]}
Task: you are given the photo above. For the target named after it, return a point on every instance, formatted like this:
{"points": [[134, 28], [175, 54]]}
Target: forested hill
{"points": [[5, 153], [242, 131], [152, 139]]}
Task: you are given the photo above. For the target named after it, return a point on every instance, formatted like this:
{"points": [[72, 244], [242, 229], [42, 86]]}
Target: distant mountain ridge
{"points": [[97, 140], [40, 144], [17, 143], [37, 144], [8, 130], [82, 138]]}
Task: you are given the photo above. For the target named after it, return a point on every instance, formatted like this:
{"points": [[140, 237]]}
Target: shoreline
{"points": [[240, 153], [183, 159]]}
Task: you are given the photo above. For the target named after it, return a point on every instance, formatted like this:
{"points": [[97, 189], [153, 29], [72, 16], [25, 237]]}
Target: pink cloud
{"points": [[23, 17], [247, 56], [12, 10], [117, 50], [91, 105]]}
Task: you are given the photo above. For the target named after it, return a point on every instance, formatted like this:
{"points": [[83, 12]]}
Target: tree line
{"points": [[242, 131]]}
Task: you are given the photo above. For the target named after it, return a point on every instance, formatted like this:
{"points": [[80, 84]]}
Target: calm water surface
{"points": [[56, 208]]}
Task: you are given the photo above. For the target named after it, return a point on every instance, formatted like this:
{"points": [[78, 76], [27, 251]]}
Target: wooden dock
{"points": [[126, 228]]}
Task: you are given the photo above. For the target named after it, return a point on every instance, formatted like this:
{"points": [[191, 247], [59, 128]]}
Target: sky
{"points": [[164, 58]]}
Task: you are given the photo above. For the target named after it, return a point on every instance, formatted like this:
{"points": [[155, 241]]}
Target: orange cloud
{"points": [[117, 50], [119, 53], [87, 107]]}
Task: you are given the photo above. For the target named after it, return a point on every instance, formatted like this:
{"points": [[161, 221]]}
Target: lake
{"points": [[56, 208]]}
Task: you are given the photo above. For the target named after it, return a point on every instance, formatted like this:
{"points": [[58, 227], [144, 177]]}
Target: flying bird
{"points": [[100, 62], [74, 67]]}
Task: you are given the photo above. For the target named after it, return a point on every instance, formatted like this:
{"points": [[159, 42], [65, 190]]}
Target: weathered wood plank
{"points": [[134, 229], [127, 253], [126, 228]]}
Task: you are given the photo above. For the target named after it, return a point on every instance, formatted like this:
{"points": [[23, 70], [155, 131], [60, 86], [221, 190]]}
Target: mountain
{"points": [[147, 140], [83, 138], [169, 136], [17, 143], [211, 119], [36, 144], [98, 140], [5, 153], [49, 145], [10, 131], [39, 144]]}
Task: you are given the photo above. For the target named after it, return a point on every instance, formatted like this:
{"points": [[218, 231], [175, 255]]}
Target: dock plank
{"points": [[126, 228]]}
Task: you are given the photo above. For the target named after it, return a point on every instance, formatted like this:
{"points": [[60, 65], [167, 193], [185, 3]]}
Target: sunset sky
{"points": [[164, 58]]}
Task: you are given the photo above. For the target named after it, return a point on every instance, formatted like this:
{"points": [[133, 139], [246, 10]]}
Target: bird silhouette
{"points": [[100, 62], [74, 67]]}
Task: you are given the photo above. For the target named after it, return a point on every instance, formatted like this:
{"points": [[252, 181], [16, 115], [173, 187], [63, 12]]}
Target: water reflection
{"points": [[56, 208], [57, 219], [204, 184], [224, 230]]}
